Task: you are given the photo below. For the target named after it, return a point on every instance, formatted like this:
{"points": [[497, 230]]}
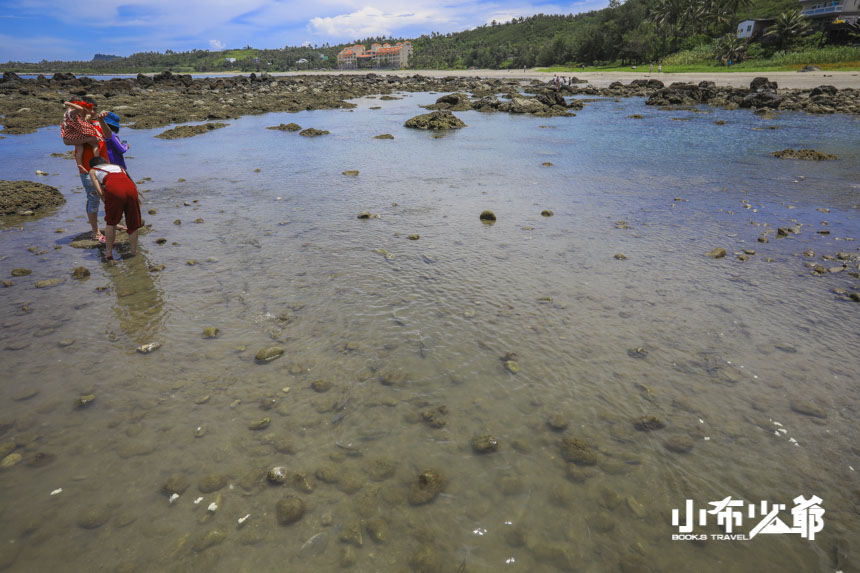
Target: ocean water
{"points": [[414, 338]]}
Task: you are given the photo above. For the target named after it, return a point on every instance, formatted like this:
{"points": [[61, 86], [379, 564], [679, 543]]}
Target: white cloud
{"points": [[217, 45], [371, 21]]}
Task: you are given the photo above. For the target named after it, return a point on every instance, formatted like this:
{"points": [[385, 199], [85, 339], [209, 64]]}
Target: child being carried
{"points": [[77, 130]]}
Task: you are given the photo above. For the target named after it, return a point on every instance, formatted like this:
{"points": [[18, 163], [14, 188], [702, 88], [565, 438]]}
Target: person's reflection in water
{"points": [[139, 306]]}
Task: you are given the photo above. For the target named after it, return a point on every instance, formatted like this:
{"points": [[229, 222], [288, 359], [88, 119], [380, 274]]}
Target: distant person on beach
{"points": [[77, 129], [83, 166], [660, 68], [651, 68], [115, 147], [119, 194]]}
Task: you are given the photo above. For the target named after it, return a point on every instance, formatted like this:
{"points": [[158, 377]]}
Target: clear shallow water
{"points": [[283, 260]]}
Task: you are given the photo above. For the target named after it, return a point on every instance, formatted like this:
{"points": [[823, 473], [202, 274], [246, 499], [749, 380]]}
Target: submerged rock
{"points": [[176, 483], [807, 408], [11, 460], [435, 417], [427, 485], [212, 483], [321, 385], [47, 283], [94, 517], [577, 451], [380, 469], [679, 444], [210, 539], [557, 422], [484, 444], [289, 510], [377, 529], [269, 353], [21, 272], [80, 273], [648, 423]]}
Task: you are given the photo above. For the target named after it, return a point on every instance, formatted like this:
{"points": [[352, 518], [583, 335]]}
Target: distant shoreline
{"points": [[788, 80]]}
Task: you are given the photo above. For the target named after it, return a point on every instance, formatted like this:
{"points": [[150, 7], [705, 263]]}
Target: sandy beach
{"points": [[791, 80]]}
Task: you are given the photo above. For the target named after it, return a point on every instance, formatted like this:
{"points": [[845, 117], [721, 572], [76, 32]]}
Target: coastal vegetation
{"points": [[683, 35]]}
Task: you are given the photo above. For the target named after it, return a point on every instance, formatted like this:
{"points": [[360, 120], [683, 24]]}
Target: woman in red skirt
{"points": [[119, 194]]}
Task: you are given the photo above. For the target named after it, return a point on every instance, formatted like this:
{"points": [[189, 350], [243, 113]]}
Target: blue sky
{"points": [[33, 30]]}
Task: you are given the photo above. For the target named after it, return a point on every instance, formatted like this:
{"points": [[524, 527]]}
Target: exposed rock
{"points": [[287, 127], [717, 253], [805, 154], [312, 132], [21, 272], [384, 136], [211, 332], [21, 196], [277, 475], [487, 216], [351, 172], [435, 120], [190, 130]]}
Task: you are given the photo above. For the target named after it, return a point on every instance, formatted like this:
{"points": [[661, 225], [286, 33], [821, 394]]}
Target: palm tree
{"points": [[787, 27], [730, 48]]}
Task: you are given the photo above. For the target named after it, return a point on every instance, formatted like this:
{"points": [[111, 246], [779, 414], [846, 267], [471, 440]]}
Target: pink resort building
{"points": [[379, 56]]}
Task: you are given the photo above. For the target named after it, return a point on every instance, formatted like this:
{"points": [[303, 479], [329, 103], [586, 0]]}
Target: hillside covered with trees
{"points": [[625, 33]]}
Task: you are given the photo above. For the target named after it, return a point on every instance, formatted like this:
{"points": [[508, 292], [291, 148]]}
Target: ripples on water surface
{"points": [[283, 260]]}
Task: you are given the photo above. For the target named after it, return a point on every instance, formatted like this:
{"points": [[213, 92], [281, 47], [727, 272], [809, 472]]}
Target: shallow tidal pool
{"points": [[537, 394]]}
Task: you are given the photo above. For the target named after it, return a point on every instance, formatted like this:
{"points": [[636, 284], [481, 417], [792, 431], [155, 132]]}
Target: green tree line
{"points": [[631, 32]]}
